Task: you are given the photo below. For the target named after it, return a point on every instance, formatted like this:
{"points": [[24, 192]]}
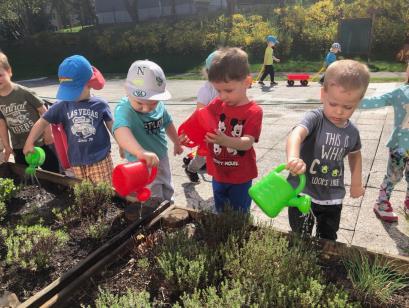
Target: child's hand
{"points": [[7, 152], [219, 138], [296, 166], [177, 149], [356, 191], [150, 158], [278, 60], [28, 148]]}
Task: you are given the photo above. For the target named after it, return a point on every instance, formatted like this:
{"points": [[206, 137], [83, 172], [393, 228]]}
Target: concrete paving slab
{"points": [[349, 217]]}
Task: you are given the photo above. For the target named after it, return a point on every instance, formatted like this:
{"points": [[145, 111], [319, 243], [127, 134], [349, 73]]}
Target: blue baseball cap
{"points": [[272, 39], [209, 60], [74, 73]]}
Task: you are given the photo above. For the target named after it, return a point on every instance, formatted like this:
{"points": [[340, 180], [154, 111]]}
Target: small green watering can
{"points": [[272, 193], [34, 160]]}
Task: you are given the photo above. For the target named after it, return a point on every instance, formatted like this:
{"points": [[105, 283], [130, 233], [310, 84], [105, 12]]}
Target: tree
{"points": [[132, 7]]}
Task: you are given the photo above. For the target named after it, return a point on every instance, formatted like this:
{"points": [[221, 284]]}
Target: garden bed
{"points": [[204, 260], [67, 237]]}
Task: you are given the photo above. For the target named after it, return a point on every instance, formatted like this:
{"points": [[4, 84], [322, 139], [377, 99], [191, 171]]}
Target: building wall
{"points": [[116, 13]]}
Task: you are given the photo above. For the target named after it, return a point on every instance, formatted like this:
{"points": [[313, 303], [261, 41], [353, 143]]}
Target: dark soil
{"points": [[33, 205]]}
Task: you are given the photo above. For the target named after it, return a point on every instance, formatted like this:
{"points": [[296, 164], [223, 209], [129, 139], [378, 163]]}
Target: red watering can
{"points": [[195, 128], [60, 142], [133, 178]]}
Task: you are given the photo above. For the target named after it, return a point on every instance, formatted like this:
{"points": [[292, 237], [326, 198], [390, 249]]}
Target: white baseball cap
{"points": [[146, 80]]}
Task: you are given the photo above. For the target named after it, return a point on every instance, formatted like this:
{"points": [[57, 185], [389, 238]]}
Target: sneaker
{"points": [[186, 161], [193, 176], [273, 83], [262, 83], [406, 207], [384, 211]]}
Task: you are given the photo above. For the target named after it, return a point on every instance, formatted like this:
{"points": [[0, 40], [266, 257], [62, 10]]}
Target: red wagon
{"points": [[302, 77]]}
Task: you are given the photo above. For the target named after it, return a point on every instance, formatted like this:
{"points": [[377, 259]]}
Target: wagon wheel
{"points": [[290, 83], [304, 83]]}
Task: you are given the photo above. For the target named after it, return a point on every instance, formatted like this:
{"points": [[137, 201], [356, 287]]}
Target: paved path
{"points": [[283, 107]]}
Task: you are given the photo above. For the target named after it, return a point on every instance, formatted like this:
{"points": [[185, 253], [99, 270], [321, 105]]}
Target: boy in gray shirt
{"points": [[318, 145]]}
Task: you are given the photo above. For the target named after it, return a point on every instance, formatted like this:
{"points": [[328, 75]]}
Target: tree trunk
{"points": [[231, 7]]}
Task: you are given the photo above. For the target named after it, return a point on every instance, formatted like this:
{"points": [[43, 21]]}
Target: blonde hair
{"points": [[4, 62], [348, 74], [229, 64]]}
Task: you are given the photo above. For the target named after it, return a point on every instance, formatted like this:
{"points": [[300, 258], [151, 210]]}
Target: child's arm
{"points": [[243, 143], [355, 164], [386, 99], [4, 137], [173, 135], [294, 163], [35, 133], [127, 141], [47, 135], [276, 59]]}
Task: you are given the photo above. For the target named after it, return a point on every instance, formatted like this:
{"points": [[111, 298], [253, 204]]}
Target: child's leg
{"points": [[162, 187], [19, 157], [196, 163], [100, 171], [220, 194], [272, 74], [51, 161], [265, 73], [299, 222], [328, 219], [394, 173], [239, 197], [406, 202]]}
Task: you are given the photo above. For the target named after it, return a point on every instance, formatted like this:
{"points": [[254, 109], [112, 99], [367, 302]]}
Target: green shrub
{"points": [[274, 274], [65, 216], [230, 296], [130, 300], [3, 211], [7, 189], [97, 230], [216, 229], [375, 281], [31, 247], [92, 200], [186, 263]]}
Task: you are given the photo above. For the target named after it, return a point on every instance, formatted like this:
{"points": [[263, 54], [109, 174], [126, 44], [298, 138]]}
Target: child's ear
{"points": [[248, 81]]}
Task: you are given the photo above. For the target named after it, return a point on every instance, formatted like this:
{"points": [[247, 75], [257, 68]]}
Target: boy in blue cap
{"points": [[331, 57], [269, 60], [86, 120]]}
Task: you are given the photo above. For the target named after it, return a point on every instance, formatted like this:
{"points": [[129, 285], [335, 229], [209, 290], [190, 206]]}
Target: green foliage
{"points": [[3, 211], [230, 295], [130, 300], [90, 199], [97, 230], [375, 281], [186, 263], [31, 247], [7, 189]]}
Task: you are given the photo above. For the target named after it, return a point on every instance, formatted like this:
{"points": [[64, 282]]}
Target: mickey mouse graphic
{"points": [[221, 125], [237, 131]]}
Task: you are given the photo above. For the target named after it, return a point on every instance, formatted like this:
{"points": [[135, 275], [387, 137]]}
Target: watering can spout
{"points": [[303, 203]]}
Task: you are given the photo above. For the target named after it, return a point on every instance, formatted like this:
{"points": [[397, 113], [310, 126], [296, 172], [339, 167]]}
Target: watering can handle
{"points": [[300, 186], [154, 171]]}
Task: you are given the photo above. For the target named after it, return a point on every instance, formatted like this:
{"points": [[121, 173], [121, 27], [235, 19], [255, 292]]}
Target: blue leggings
{"points": [[236, 195]]}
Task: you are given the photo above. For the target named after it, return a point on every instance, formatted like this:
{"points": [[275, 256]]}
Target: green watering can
{"points": [[272, 193], [34, 160]]}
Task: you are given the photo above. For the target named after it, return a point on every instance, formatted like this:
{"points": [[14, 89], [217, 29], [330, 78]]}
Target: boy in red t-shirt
{"points": [[232, 159]]}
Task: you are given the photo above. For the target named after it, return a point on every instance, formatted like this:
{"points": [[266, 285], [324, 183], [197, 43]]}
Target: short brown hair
{"points": [[229, 64], [348, 74], [4, 62]]}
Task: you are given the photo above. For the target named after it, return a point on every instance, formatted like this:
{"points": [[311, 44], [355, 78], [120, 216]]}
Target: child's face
{"points": [[143, 105], [339, 104], [233, 92], [5, 78]]}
